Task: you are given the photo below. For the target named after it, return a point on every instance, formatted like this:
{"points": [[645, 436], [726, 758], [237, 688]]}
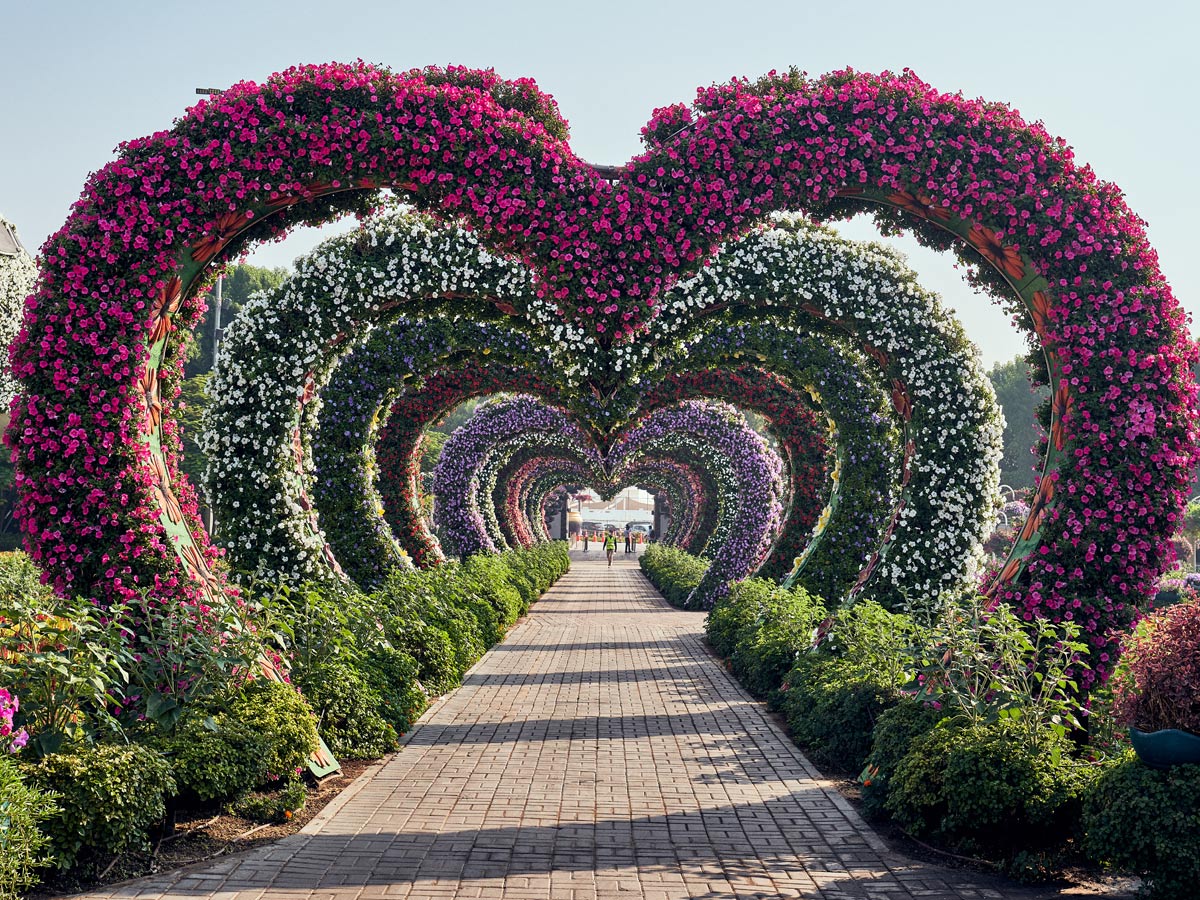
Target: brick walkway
{"points": [[599, 752]]}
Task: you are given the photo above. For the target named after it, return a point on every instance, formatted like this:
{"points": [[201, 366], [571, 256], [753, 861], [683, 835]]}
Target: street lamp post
{"points": [[210, 516]]}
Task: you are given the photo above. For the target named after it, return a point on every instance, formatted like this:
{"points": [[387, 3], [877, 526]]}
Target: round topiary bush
{"points": [[1157, 684], [1147, 822]]}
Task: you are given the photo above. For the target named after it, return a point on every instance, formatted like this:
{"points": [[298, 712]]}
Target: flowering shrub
{"points": [[18, 274], [1158, 681], [103, 508], [11, 739]]}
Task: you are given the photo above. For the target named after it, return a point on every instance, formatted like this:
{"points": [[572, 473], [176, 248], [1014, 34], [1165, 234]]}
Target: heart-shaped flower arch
{"points": [[941, 398], [105, 512]]}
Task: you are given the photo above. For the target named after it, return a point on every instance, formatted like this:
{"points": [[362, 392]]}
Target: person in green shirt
{"points": [[610, 545]]}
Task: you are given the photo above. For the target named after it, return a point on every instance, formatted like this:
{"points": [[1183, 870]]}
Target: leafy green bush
{"points": [[735, 611], [766, 648], [831, 710], [62, 657], [216, 757], [1147, 822], [430, 647], [395, 677], [837, 691], [986, 664], [278, 713], [23, 846], [109, 798], [272, 806], [347, 710], [981, 788], [893, 735], [671, 570]]}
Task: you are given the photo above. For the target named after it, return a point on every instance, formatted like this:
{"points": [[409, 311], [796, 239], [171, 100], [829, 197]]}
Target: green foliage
{"points": [[23, 846], [109, 799], [193, 400], [61, 657], [217, 757], [491, 579], [831, 710], [188, 653], [780, 629], [273, 806], [347, 709], [1018, 398], [734, 612], [835, 694], [1147, 822], [395, 678], [893, 735], [988, 665], [671, 570], [982, 788], [279, 714]]}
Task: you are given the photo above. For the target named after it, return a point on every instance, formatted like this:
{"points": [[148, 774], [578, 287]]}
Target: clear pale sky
{"points": [[1117, 80]]}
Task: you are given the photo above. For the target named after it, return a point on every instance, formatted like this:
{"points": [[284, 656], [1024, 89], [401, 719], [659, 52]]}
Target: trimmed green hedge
{"points": [[1147, 822], [671, 570]]}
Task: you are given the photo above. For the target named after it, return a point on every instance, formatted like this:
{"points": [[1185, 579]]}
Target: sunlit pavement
{"points": [[599, 752]]}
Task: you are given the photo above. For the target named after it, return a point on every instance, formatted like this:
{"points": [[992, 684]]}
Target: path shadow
{"points": [[776, 839]]}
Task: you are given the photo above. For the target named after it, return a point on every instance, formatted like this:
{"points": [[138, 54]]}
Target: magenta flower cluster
{"points": [[10, 739]]}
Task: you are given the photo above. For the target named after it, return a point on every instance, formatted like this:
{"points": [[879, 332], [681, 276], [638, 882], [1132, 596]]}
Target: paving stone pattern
{"points": [[600, 752]]}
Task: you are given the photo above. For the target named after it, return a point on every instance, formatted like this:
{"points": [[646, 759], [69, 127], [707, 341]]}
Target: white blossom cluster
{"points": [[279, 353], [956, 430], [18, 275]]}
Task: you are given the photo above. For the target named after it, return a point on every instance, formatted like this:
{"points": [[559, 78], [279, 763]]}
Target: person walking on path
{"points": [[610, 545], [628, 538]]}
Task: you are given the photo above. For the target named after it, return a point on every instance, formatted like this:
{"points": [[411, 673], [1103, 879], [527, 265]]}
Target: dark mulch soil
{"points": [[203, 833]]}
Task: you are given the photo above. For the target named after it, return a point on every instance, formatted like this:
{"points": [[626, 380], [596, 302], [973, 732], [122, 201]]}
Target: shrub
{"points": [[490, 580], [395, 677], [735, 611], [279, 714], [674, 572], [216, 757], [1157, 684], [837, 691], [1147, 822], [766, 648], [430, 647], [347, 710], [893, 735], [274, 806], [987, 664], [61, 657], [23, 846], [109, 798], [983, 788], [831, 709]]}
